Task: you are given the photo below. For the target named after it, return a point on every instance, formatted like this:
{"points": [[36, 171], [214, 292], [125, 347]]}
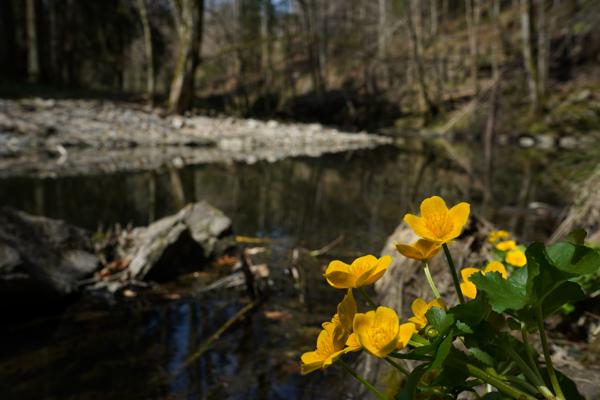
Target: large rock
{"points": [[41, 258], [177, 243]]}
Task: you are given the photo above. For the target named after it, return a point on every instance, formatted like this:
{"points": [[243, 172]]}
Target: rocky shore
{"points": [[75, 137]]}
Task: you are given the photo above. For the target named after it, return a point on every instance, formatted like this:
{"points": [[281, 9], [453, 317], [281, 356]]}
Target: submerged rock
{"points": [[178, 243], [41, 258]]}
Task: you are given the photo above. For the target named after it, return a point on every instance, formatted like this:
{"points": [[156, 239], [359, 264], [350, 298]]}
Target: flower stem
{"points": [[453, 273], [530, 358], [434, 289], [368, 298], [497, 383], [397, 366], [362, 380], [549, 366], [529, 373]]}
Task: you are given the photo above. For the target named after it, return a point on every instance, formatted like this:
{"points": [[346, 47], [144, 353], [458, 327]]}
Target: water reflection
{"points": [[137, 349]]}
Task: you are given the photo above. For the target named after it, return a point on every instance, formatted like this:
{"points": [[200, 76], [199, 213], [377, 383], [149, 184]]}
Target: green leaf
{"points": [[471, 312], [503, 294], [543, 277], [482, 356], [574, 259], [464, 328], [565, 293], [439, 319], [442, 351]]}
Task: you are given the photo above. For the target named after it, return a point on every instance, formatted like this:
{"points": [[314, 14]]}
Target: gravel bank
{"points": [[77, 137]]}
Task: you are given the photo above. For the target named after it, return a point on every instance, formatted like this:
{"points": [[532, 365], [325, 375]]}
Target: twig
{"points": [[207, 344], [327, 247]]}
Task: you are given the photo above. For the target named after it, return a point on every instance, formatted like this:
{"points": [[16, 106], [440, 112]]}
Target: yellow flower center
{"points": [[438, 223], [380, 336]]}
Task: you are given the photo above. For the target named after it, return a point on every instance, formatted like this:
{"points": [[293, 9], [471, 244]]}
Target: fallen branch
{"points": [[323, 250], [207, 344]]}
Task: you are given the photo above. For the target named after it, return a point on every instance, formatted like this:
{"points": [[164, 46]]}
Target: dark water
{"points": [[136, 348]]}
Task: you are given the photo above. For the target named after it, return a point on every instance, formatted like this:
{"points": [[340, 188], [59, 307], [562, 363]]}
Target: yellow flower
{"points": [[330, 347], [379, 332], [468, 288], [516, 257], [420, 250], [506, 245], [363, 271], [420, 307], [346, 311], [494, 236], [352, 344], [437, 223]]}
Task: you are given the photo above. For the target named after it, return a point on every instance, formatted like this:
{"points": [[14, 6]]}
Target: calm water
{"points": [[136, 348]]}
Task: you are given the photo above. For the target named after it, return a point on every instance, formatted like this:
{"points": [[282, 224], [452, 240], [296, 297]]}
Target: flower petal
{"points": [[419, 307], [332, 358], [419, 322], [516, 257], [506, 245], [427, 247], [340, 279], [418, 225], [311, 361], [381, 266], [361, 326], [410, 251], [352, 344], [496, 266], [468, 289], [439, 303], [346, 311], [433, 205], [466, 273], [405, 333], [459, 215]]}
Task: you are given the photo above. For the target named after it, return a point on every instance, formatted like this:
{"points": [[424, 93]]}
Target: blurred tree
{"points": [[188, 16]]}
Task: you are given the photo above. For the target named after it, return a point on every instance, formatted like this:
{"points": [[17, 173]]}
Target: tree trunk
{"points": [[497, 41], [472, 14], [527, 35], [382, 40], [189, 20], [543, 43], [143, 10], [33, 66], [413, 12]]}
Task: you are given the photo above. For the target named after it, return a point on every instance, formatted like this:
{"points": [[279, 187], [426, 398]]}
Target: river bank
{"points": [[48, 138]]}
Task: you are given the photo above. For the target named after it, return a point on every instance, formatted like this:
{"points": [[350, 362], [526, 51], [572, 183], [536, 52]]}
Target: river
{"points": [[137, 348]]}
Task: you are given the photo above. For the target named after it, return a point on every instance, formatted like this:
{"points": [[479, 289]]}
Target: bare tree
{"points": [[188, 16], [527, 38], [143, 10], [33, 66]]}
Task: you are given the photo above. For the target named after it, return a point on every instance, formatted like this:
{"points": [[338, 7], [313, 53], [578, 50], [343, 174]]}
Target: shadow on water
{"points": [[136, 348]]}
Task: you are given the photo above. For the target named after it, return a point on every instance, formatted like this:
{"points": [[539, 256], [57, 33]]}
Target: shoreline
{"points": [[56, 138]]}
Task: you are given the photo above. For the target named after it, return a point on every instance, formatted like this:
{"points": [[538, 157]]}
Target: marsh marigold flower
{"points": [[379, 332], [437, 223], [506, 245], [346, 311], [494, 236], [468, 288], [516, 258], [330, 347], [420, 307], [363, 271], [420, 250]]}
